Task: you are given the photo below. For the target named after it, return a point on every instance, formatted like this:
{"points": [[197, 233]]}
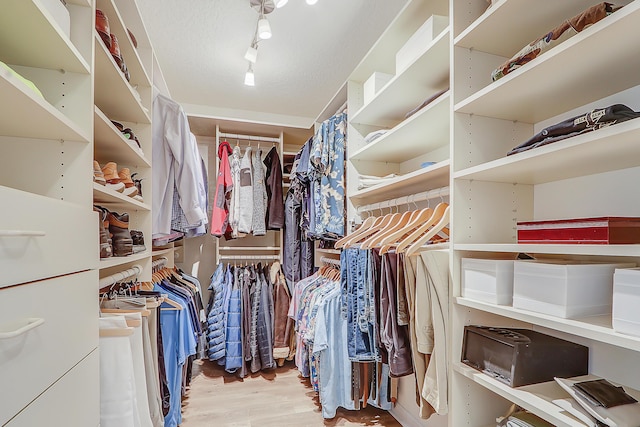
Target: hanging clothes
{"points": [[216, 315], [273, 183], [220, 223], [246, 193], [283, 325], [259, 195], [174, 163], [234, 205]]}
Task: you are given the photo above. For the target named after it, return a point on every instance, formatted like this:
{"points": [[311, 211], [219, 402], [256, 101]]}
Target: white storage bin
{"points": [[374, 84], [60, 15], [626, 301], [564, 289], [488, 280], [419, 41]]}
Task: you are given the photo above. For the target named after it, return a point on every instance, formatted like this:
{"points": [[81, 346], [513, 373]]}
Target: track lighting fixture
{"points": [[264, 29], [249, 77], [280, 3], [311, 2], [252, 53]]}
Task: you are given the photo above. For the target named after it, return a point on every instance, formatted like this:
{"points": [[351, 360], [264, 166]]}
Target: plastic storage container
{"points": [[419, 41], [564, 289], [488, 280], [626, 301], [374, 84]]}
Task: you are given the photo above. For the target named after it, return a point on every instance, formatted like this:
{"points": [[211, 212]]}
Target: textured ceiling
{"points": [[200, 45]]}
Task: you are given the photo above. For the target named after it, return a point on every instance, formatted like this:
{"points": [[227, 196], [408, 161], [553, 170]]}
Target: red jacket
{"points": [[224, 184]]}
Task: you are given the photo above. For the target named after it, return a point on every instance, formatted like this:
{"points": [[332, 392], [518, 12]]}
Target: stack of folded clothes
{"points": [[588, 122], [367, 181], [562, 32]]}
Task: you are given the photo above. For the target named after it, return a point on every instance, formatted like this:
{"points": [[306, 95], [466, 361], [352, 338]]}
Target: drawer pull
{"points": [[22, 233], [32, 323]]}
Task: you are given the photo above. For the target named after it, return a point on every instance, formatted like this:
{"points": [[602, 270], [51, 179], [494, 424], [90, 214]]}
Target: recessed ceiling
{"points": [[200, 46]]}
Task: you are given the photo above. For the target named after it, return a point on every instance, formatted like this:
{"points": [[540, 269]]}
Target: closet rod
{"points": [[328, 260], [159, 263], [249, 137], [243, 257], [117, 277], [405, 200]]}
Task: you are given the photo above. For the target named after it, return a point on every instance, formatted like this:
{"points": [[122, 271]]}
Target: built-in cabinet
{"points": [[590, 175], [58, 98]]}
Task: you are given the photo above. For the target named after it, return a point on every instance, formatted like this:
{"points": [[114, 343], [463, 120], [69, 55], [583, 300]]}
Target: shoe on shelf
{"points": [[106, 250], [98, 176], [138, 184], [120, 235], [110, 171], [117, 56], [138, 241], [102, 27], [130, 188]]}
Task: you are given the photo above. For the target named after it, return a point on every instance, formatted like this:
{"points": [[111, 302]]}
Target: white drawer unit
{"points": [[72, 401], [41, 237], [46, 328]]}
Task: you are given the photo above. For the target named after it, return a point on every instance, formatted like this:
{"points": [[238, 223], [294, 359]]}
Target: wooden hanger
{"points": [[116, 332], [391, 240], [435, 217], [175, 306], [366, 224], [373, 241], [442, 223], [385, 221], [143, 312]]}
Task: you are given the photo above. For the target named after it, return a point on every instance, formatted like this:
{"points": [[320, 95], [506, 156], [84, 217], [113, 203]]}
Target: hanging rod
{"points": [[249, 137], [118, 277], [405, 200], [159, 263], [243, 257], [328, 260]]}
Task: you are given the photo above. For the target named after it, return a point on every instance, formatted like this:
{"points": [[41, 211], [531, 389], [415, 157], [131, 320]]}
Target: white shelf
{"points": [[428, 178], [249, 248], [105, 196], [25, 114], [289, 154], [122, 260], [329, 251], [594, 250], [128, 52], [596, 328], [426, 130], [111, 145], [381, 57], [540, 89], [409, 89], [520, 21], [160, 252], [29, 36], [612, 148], [113, 94], [536, 398]]}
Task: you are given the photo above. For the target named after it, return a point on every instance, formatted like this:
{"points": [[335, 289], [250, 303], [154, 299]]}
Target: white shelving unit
{"points": [[45, 185], [585, 176]]}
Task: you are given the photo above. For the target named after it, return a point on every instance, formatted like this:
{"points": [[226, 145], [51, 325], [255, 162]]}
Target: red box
{"points": [[585, 231]]}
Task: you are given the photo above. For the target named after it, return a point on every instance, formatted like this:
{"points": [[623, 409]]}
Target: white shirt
{"points": [[173, 161]]}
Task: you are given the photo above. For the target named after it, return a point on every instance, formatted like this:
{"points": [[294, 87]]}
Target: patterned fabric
{"points": [[234, 204], [559, 34], [246, 193], [327, 159]]}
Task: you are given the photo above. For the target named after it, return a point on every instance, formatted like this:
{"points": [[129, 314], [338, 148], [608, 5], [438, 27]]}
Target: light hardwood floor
{"points": [[278, 398]]}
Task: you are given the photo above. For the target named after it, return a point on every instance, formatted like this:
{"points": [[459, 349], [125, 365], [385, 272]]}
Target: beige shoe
{"points": [[98, 176], [130, 188], [110, 171]]}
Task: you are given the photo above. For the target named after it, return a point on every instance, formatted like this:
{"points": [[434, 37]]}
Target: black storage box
{"points": [[520, 357]]}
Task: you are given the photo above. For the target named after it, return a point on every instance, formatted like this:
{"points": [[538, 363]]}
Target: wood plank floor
{"points": [[276, 398]]}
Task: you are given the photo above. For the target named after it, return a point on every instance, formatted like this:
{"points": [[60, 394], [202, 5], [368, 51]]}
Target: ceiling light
{"points": [[312, 1], [264, 29], [249, 78], [252, 53], [280, 3]]}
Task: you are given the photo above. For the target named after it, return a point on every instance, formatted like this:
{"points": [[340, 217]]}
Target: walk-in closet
{"points": [[301, 213]]}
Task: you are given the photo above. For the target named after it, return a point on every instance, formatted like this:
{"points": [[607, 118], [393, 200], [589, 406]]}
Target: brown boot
{"points": [[105, 243], [130, 188], [102, 27], [119, 229], [98, 176]]}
